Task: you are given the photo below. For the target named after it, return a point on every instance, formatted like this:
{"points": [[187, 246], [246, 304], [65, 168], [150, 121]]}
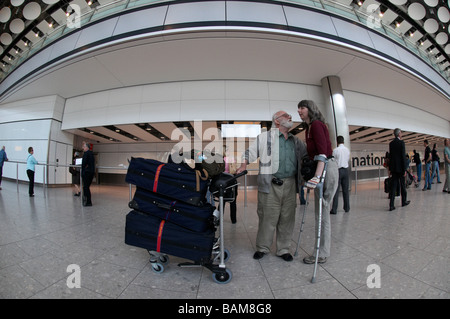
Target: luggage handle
{"points": [[165, 206], [198, 176]]}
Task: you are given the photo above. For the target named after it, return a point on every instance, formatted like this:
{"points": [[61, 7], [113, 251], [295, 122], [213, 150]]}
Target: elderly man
{"points": [[280, 154]]}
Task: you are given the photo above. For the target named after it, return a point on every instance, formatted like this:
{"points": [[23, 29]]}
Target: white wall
{"points": [[187, 101], [37, 123]]}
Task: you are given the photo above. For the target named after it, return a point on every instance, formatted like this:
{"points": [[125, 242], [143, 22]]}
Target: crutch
{"points": [[303, 221], [320, 186]]}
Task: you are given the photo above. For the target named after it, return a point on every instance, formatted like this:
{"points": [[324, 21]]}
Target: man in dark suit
{"points": [[397, 167], [87, 173]]}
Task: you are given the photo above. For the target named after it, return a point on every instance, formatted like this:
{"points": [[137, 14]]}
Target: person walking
{"points": [[3, 159], [87, 173], [397, 167], [31, 164], [318, 144], [447, 165], [427, 160], [342, 155], [418, 163], [435, 164], [280, 155]]}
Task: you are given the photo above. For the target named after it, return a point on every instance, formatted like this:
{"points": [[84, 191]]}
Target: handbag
{"points": [[308, 168]]}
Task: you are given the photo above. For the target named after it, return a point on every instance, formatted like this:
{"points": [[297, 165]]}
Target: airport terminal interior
{"points": [[150, 78]]}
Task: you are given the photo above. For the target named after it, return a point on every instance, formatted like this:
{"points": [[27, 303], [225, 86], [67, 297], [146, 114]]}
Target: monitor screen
{"points": [[240, 130]]}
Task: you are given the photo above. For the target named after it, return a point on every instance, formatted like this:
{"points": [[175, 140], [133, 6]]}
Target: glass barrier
{"points": [[348, 12]]}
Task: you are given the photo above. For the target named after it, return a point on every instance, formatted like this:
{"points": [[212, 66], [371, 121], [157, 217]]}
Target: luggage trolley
{"points": [[222, 187]]}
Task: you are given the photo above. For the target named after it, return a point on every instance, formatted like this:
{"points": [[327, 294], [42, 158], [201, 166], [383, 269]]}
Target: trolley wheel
{"points": [[226, 255], [158, 268], [222, 277], [164, 259]]}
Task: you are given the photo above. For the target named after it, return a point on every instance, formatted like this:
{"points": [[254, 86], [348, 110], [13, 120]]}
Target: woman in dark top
{"points": [[318, 143]]}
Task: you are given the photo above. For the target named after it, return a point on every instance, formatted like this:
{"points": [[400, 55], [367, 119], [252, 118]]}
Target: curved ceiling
{"points": [[240, 54], [22, 23]]}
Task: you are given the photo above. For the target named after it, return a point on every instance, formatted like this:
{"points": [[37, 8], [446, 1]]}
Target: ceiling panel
{"points": [[138, 132], [107, 132], [165, 128], [89, 136], [384, 136]]}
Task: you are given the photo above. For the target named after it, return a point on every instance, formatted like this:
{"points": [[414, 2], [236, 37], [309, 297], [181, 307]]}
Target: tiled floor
{"points": [[41, 236]]}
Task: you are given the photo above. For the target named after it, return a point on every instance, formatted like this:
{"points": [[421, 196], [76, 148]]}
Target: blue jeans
{"points": [[419, 172], [435, 171], [427, 176]]}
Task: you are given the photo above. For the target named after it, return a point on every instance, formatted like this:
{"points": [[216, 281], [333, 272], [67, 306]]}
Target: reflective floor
{"points": [[405, 252]]}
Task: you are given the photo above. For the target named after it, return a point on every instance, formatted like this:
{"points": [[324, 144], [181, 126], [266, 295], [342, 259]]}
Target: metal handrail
{"points": [[46, 166]]}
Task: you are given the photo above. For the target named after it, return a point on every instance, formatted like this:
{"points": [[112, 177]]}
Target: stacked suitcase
{"points": [[170, 214]]}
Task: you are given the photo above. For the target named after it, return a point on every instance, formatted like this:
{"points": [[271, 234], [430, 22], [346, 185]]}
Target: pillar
{"points": [[335, 113]]}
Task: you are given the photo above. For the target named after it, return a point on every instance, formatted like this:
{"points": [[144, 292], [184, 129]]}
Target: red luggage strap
{"points": [[155, 183], [160, 231]]}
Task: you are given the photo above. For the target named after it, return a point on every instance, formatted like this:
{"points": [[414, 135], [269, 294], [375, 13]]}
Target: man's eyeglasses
{"points": [[285, 115]]}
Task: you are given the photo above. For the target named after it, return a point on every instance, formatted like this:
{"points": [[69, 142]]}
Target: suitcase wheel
{"points": [[157, 267], [223, 276], [158, 261]]}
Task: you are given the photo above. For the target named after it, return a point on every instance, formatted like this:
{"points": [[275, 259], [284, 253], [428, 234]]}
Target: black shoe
{"points": [[258, 255], [77, 194], [333, 213], [31, 195], [406, 203], [87, 204], [286, 257], [391, 209]]}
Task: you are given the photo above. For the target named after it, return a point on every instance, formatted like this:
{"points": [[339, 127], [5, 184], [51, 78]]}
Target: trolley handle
{"points": [[235, 177], [224, 181]]}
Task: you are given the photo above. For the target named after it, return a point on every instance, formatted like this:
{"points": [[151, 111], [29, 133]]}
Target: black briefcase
{"points": [[154, 234], [196, 218], [387, 185], [178, 181]]}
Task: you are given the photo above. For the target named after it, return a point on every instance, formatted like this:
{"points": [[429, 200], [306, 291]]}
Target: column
{"points": [[335, 113]]}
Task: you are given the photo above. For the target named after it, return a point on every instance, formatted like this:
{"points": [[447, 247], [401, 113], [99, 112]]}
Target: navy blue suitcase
{"points": [[178, 181], [154, 234], [196, 218]]}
